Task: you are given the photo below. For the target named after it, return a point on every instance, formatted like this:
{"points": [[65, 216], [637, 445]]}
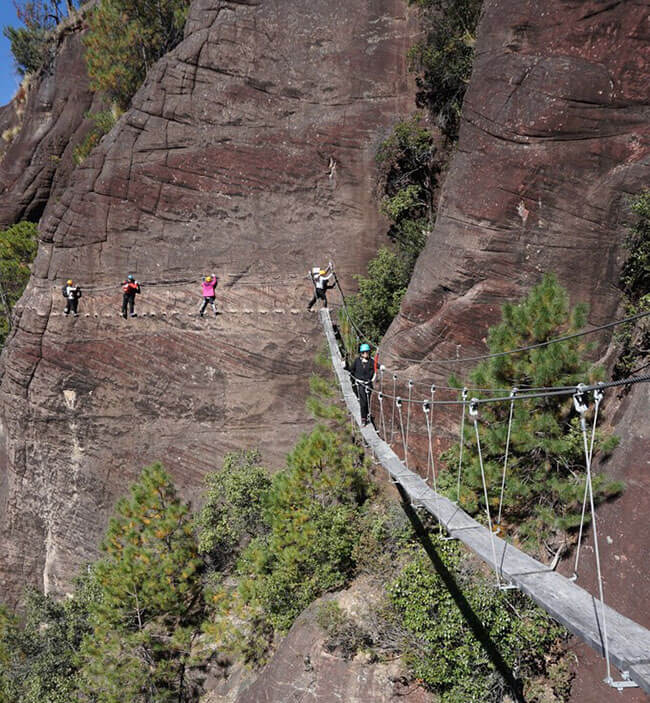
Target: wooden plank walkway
{"points": [[575, 608]]}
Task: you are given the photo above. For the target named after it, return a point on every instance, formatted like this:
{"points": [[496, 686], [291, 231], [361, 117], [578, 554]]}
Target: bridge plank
{"points": [[577, 609]]}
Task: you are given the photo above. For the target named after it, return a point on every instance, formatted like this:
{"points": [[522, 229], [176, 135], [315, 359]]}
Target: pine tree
{"points": [[545, 475], [150, 600]]}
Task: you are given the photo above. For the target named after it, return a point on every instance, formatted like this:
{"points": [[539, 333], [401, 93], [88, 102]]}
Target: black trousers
{"points": [[364, 390], [207, 300], [71, 306], [127, 300], [318, 293]]}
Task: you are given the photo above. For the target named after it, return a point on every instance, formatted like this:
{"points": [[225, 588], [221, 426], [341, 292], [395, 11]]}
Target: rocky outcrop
{"points": [[554, 137], [249, 150], [48, 120]]}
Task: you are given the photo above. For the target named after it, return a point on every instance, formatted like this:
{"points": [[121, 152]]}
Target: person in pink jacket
{"points": [[208, 288]]}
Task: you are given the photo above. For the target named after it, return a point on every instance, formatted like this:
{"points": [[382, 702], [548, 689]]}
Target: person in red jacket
{"points": [[208, 289], [130, 288]]}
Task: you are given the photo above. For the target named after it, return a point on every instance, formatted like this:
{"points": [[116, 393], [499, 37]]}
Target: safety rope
{"points": [[408, 411], [398, 403], [427, 409], [598, 396], [580, 402], [392, 420], [513, 393], [462, 443], [473, 413]]}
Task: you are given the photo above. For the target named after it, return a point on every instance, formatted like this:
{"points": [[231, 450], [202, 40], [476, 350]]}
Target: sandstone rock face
{"points": [[36, 164], [304, 670], [249, 150], [554, 136]]}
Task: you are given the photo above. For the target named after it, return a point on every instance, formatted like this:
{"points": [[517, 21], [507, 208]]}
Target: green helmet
{"points": [[364, 347]]}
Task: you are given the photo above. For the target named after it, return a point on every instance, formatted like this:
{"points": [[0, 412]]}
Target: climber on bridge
{"points": [[320, 277], [71, 293], [208, 289], [363, 372], [130, 288]]}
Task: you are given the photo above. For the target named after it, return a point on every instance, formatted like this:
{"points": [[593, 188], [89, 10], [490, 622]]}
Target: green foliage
{"points": [[312, 511], [30, 47], [18, 245], [103, 123], [443, 60], [545, 481], [407, 176], [344, 635], [443, 650], [125, 38], [635, 275], [633, 338], [232, 512], [148, 612], [38, 651]]}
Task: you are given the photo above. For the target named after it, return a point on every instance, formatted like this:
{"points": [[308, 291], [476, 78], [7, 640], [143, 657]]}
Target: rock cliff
{"points": [[249, 150]]}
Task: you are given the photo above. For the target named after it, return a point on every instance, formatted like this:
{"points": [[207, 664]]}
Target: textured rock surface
{"points": [[249, 149], [554, 136], [37, 163], [303, 670]]}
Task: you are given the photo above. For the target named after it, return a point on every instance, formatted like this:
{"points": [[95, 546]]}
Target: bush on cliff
{"points": [[545, 476], [125, 38], [443, 60], [32, 44], [407, 177], [634, 337], [18, 245], [147, 615]]}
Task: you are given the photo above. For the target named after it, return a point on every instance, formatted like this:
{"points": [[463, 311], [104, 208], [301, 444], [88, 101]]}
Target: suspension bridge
{"points": [[618, 639]]}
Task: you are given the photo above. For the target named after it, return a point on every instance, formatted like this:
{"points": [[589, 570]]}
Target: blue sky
{"points": [[9, 79]]}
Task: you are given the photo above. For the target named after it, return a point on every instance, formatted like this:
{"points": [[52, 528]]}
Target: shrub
{"points": [[232, 512], [446, 653], [633, 338], [443, 60], [125, 38], [103, 123], [545, 481], [18, 245]]}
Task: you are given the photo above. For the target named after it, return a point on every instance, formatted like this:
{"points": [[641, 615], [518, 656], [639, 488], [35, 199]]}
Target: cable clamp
{"points": [[426, 406], [398, 402], [410, 383], [473, 407], [382, 368], [394, 377], [380, 397], [465, 393], [599, 393], [514, 392], [433, 389], [580, 399]]}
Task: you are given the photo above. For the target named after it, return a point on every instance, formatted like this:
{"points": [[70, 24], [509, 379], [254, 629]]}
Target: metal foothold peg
{"points": [[426, 406], [473, 407], [394, 377], [398, 402], [580, 399], [465, 393]]}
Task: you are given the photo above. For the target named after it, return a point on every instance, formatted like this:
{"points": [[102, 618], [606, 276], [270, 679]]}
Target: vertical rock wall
{"points": [[249, 150]]}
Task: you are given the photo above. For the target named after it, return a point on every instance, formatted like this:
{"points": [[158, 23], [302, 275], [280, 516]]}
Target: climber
{"points": [[208, 288], [363, 372], [130, 289], [320, 278], [71, 293]]}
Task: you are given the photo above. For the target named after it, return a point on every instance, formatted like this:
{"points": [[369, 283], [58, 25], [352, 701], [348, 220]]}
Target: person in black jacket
{"points": [[363, 372], [71, 293]]}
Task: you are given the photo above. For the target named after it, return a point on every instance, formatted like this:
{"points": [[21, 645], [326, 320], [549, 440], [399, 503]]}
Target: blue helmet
{"points": [[131, 277], [364, 347]]}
